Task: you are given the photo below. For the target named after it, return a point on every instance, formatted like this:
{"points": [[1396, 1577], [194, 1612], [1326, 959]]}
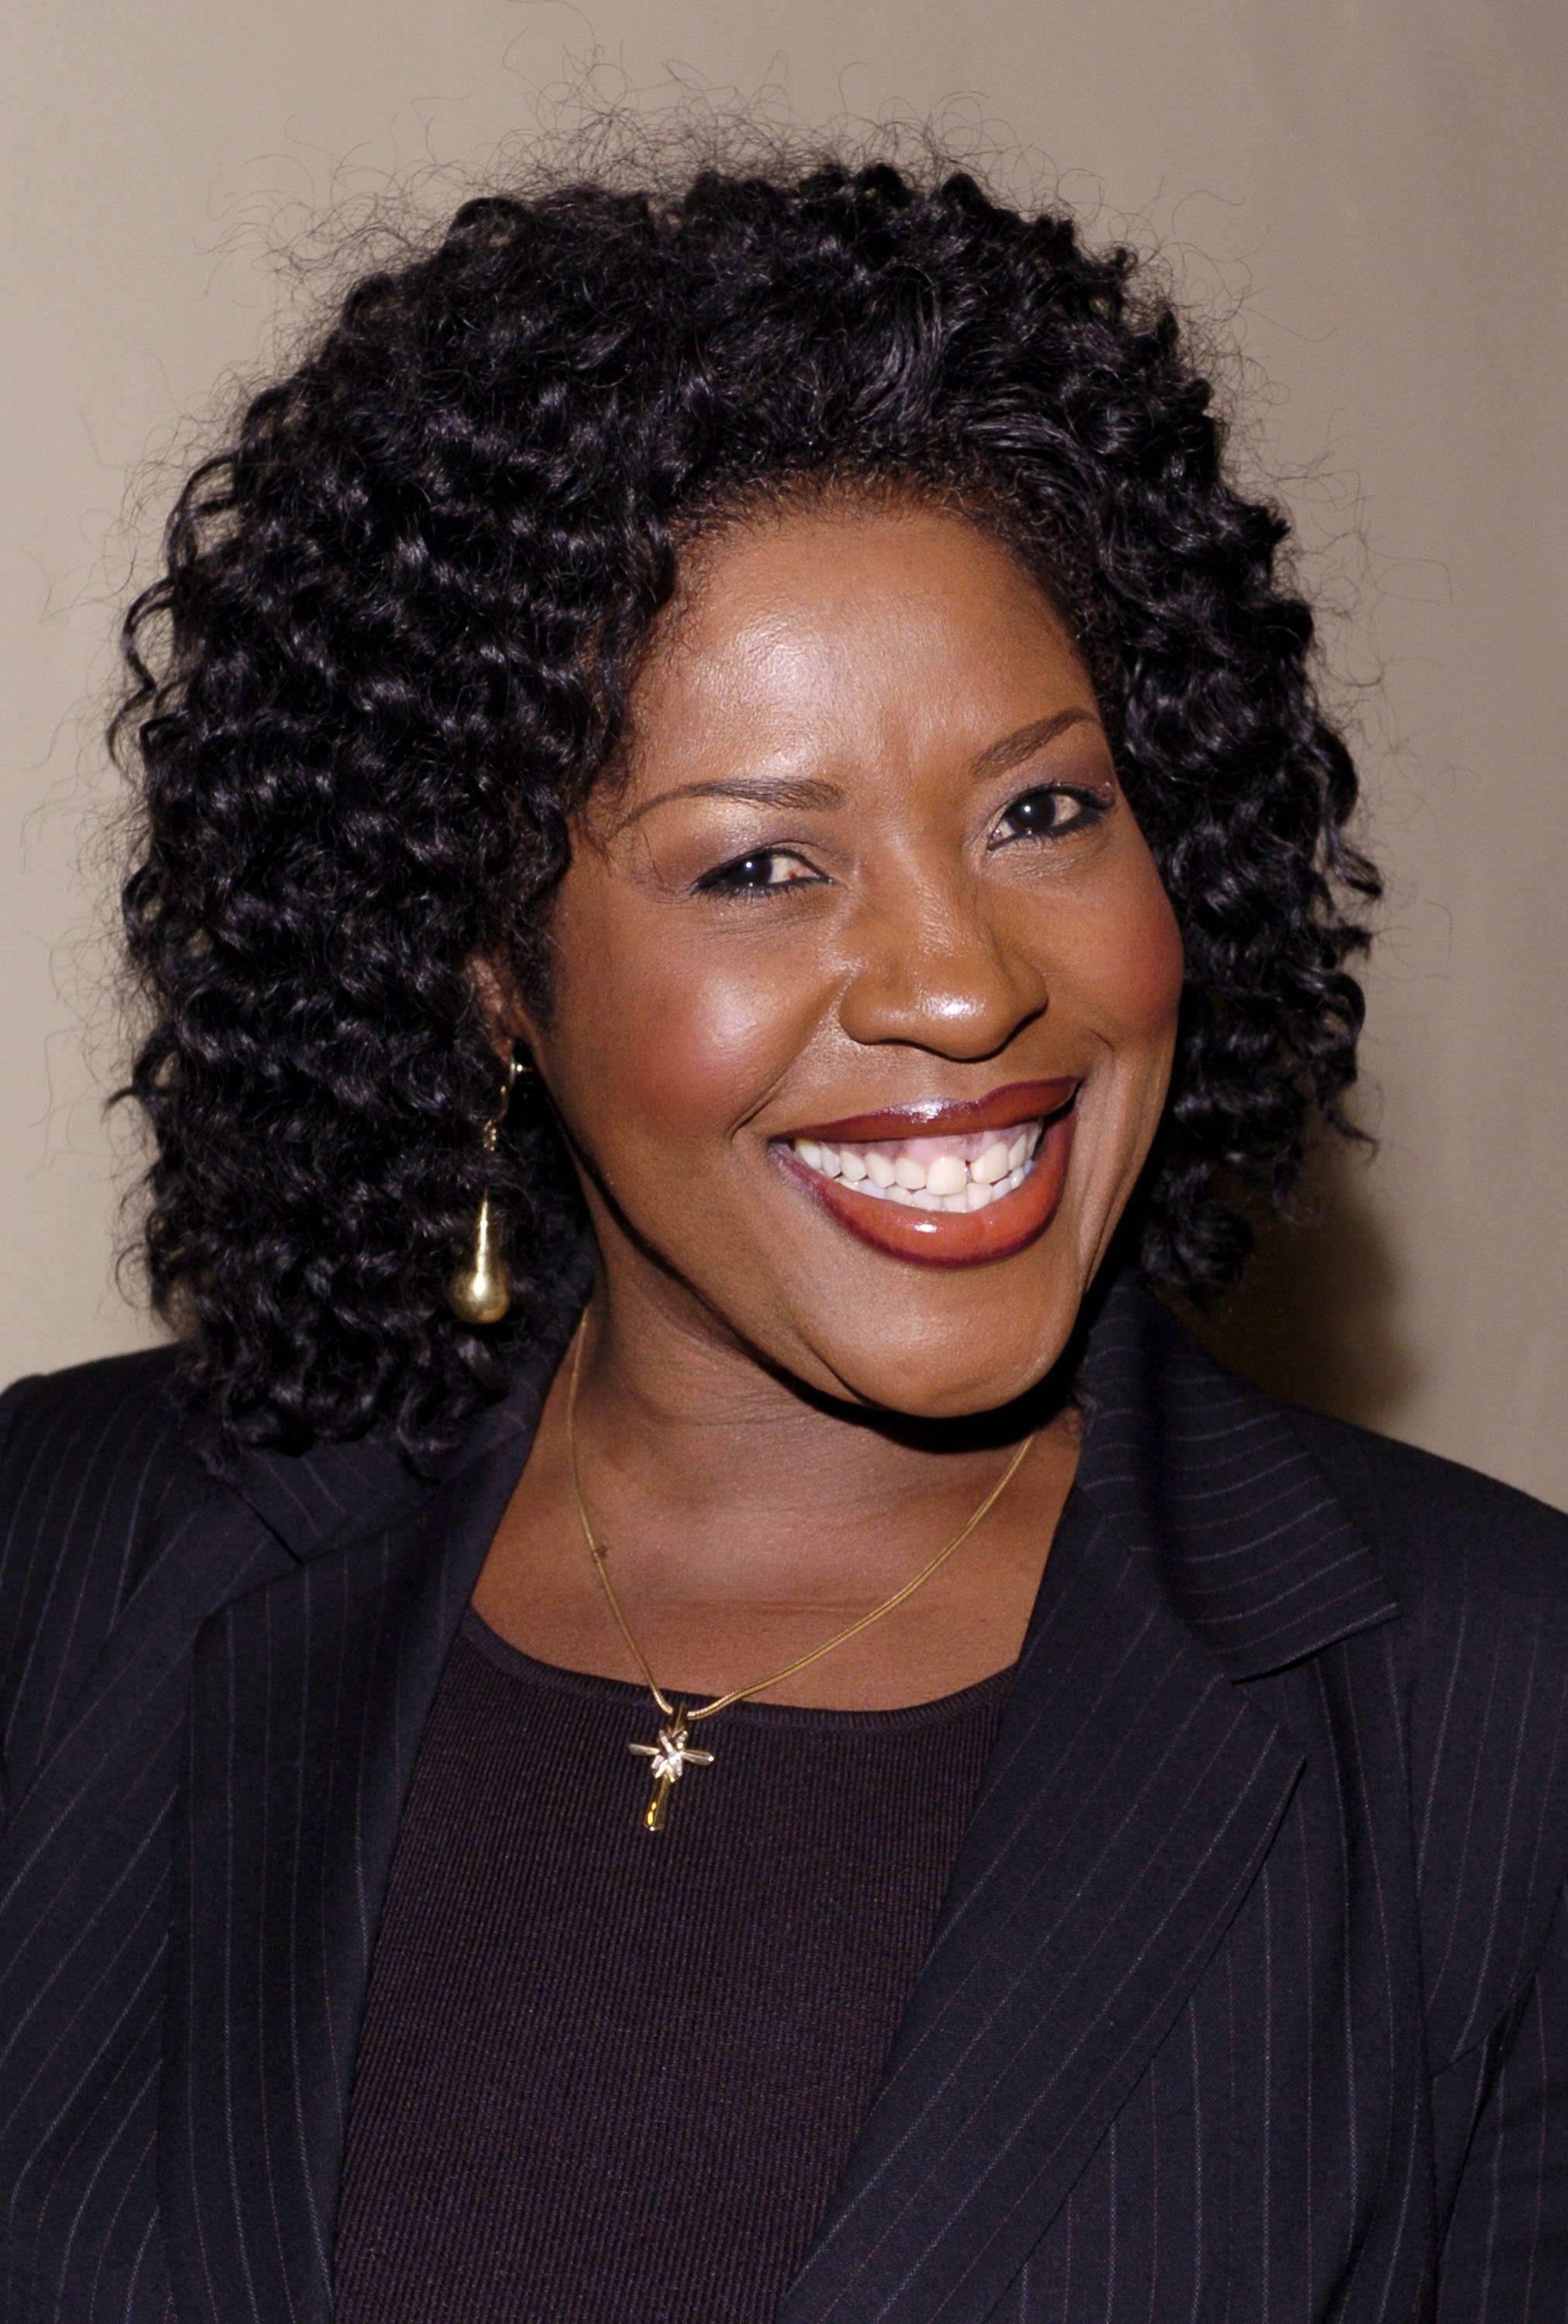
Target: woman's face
{"points": [[866, 987]]}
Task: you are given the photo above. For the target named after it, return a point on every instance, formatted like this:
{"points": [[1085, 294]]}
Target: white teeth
{"points": [[957, 1177]]}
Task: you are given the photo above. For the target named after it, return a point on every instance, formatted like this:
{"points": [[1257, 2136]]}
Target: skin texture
{"points": [[779, 1423]]}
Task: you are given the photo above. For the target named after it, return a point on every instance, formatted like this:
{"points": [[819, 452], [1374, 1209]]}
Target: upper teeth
{"points": [[931, 1174]]}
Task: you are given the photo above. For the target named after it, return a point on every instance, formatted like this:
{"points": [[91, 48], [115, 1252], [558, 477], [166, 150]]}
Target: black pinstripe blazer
{"points": [[1249, 2000]]}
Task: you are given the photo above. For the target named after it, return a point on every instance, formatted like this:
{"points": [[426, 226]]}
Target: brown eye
{"points": [[1047, 812], [752, 875]]}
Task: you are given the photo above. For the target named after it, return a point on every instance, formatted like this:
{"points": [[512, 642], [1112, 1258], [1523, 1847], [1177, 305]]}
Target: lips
{"points": [[1018, 1101], [942, 1184]]}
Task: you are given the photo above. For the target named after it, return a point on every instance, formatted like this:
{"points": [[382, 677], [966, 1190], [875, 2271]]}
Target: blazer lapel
{"points": [[310, 1696], [1133, 1795]]}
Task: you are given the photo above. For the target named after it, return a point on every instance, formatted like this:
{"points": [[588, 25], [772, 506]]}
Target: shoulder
{"points": [[1273, 1488], [77, 1444], [1456, 1546], [1479, 1653], [109, 1385], [98, 1473]]}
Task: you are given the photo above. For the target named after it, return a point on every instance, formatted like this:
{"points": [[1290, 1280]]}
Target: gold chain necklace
{"points": [[673, 1754]]}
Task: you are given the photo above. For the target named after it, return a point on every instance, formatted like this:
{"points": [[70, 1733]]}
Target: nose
{"points": [[935, 974]]}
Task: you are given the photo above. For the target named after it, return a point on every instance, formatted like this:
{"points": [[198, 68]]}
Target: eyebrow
{"points": [[998, 758], [810, 792], [804, 791]]}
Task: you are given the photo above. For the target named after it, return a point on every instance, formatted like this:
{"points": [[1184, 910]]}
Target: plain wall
{"points": [[1371, 191]]}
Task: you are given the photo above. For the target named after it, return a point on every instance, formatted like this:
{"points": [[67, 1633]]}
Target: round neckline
{"points": [[625, 1694]]}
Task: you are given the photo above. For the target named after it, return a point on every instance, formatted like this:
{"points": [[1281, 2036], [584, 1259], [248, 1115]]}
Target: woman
{"points": [[683, 1700]]}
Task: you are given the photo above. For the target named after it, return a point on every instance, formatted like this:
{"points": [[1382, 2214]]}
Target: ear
{"points": [[506, 1021]]}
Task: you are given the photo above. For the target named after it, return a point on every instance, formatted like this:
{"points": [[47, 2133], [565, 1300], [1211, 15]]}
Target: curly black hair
{"points": [[391, 649]]}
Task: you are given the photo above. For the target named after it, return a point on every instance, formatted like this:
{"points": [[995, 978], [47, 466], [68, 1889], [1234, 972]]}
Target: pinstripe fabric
{"points": [[96, 1645], [1248, 2000]]}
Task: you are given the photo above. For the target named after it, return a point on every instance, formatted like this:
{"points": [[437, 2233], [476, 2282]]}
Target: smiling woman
{"points": [[682, 1698], [865, 877]]}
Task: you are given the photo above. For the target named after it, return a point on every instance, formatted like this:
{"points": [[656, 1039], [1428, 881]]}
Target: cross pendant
{"points": [[668, 1759]]}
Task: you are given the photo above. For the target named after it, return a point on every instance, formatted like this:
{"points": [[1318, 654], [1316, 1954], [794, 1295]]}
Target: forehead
{"points": [[843, 629]]}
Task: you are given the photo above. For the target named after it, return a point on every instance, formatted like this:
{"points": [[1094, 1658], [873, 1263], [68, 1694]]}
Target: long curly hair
{"points": [[391, 649]]}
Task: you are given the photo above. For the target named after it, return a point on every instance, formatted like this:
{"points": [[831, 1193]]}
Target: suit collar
{"points": [[1204, 1477], [320, 1501], [1133, 1793]]}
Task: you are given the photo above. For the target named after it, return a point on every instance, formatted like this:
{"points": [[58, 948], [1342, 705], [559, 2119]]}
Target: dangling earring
{"points": [[480, 1292]]}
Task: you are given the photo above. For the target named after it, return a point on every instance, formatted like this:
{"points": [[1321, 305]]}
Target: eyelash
{"points": [[728, 879]]}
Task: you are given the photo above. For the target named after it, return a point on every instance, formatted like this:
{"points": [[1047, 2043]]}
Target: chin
{"points": [[944, 1367]]}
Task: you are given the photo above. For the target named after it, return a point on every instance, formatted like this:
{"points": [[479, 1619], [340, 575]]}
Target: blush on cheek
{"points": [[680, 1059], [1131, 966], [1155, 966]]}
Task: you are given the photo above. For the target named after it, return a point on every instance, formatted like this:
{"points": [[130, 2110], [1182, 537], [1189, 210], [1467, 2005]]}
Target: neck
{"points": [[745, 1518], [689, 1436]]}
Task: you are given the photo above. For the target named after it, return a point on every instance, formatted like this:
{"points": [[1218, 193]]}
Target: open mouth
{"points": [[931, 1174], [948, 1185]]}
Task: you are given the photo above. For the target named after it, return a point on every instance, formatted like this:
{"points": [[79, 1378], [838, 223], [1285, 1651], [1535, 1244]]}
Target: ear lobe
{"points": [[506, 1022]]}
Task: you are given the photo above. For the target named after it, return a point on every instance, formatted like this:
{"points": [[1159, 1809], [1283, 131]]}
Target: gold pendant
{"points": [[669, 1757]]}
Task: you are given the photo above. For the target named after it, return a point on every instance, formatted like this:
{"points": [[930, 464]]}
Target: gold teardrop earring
{"points": [[480, 1292]]}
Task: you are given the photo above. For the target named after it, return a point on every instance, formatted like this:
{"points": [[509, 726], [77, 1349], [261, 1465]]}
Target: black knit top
{"points": [[610, 2075]]}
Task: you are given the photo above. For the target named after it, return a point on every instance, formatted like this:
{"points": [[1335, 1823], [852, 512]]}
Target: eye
{"points": [[1051, 812], [763, 869]]}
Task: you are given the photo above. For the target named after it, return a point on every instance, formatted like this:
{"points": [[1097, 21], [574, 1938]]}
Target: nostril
{"points": [[969, 1010]]}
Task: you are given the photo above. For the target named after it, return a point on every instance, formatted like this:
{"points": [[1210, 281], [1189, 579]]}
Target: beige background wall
{"points": [[1374, 189]]}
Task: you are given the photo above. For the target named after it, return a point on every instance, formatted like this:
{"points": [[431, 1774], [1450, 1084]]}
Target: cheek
{"points": [[1129, 968], [671, 1045]]}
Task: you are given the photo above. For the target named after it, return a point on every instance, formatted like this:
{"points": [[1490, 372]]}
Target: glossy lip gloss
{"points": [[943, 1238]]}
